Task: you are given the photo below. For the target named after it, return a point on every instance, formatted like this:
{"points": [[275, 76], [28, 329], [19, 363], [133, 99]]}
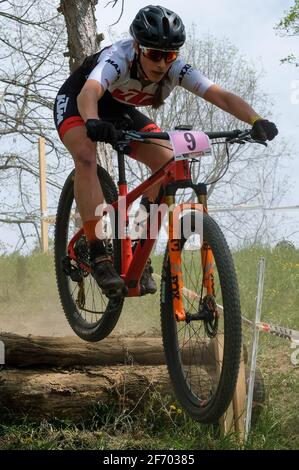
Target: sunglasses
{"points": [[156, 54]]}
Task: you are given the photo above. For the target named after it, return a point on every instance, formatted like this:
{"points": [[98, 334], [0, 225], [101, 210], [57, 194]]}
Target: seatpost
{"points": [[126, 246], [121, 169]]}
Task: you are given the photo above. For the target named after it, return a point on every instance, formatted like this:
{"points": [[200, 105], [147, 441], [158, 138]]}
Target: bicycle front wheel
{"points": [[203, 352], [90, 314]]}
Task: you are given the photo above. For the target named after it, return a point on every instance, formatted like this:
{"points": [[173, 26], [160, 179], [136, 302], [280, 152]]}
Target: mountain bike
{"points": [[199, 296]]}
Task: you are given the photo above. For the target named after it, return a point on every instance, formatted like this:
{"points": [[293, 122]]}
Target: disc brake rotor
{"points": [[211, 315]]}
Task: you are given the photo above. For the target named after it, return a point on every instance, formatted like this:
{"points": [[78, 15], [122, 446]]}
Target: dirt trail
{"points": [[48, 319]]}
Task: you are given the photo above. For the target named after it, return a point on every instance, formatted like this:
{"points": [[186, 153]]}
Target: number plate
{"points": [[189, 144]]}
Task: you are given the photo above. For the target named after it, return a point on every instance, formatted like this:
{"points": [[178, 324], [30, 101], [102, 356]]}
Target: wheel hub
{"points": [[208, 313]]}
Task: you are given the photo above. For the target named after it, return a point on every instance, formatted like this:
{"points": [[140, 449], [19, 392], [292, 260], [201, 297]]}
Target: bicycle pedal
{"points": [[70, 270], [144, 291], [113, 293]]}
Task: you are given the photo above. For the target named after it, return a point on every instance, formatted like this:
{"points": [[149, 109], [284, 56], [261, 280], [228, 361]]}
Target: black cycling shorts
{"points": [[67, 116]]}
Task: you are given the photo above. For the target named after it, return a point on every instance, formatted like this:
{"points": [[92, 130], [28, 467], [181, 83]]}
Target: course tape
{"points": [[280, 331], [275, 330]]}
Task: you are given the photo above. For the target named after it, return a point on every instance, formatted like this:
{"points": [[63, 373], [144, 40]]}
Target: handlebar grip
{"points": [[154, 135], [224, 134]]}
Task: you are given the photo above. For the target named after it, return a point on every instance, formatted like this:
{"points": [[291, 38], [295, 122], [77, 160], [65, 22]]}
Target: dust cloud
{"points": [[30, 305]]}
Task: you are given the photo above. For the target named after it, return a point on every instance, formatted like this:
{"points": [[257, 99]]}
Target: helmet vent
{"points": [[151, 21], [165, 24]]}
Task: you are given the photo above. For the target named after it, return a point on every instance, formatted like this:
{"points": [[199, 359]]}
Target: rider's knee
{"points": [[162, 159], [85, 160]]}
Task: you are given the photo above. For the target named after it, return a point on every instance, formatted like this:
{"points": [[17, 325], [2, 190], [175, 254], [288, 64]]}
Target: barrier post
{"points": [[43, 194], [259, 300]]}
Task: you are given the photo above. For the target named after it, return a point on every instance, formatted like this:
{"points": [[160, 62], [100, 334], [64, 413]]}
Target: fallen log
{"points": [[76, 394], [86, 376], [32, 351]]}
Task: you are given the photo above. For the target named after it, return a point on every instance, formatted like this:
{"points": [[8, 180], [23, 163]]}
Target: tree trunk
{"points": [[83, 40], [80, 21]]}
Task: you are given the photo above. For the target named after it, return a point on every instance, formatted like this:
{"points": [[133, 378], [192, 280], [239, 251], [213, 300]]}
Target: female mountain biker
{"points": [[141, 71]]}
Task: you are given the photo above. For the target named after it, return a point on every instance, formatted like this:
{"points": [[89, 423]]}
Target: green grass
{"points": [[29, 304], [281, 293], [157, 426]]}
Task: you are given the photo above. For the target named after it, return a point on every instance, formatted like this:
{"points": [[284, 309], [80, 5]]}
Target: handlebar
{"points": [[235, 136]]}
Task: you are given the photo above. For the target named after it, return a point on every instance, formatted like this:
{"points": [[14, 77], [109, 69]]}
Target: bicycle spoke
{"points": [[192, 337], [90, 313]]}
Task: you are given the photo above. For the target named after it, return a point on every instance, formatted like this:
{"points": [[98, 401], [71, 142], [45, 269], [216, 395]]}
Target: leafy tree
{"points": [[289, 26]]}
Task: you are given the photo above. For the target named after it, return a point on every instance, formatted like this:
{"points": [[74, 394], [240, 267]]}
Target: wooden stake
{"points": [[43, 194], [239, 402], [226, 422]]}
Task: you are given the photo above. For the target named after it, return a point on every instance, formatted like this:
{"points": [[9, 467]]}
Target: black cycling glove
{"points": [[263, 130], [101, 131]]}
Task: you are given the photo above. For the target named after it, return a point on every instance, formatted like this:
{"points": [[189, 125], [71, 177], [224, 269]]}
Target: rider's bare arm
{"points": [[230, 103], [88, 98]]}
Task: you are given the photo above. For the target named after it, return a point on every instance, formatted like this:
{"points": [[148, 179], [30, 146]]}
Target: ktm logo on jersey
{"points": [[132, 96], [61, 104]]}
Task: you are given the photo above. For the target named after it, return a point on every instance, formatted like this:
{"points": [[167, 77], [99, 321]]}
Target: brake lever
{"points": [[255, 141], [236, 140], [262, 142], [243, 141], [133, 135], [246, 137]]}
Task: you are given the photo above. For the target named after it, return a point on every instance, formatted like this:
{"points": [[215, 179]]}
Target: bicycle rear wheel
{"points": [[90, 314], [203, 354]]}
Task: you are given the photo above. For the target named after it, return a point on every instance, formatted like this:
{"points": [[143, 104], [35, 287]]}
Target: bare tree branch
{"points": [[122, 9], [32, 65]]}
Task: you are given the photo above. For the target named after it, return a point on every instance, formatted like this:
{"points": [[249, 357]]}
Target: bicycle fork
{"points": [[174, 250]]}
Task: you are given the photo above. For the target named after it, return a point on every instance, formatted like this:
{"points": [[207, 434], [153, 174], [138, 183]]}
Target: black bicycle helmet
{"points": [[158, 27]]}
